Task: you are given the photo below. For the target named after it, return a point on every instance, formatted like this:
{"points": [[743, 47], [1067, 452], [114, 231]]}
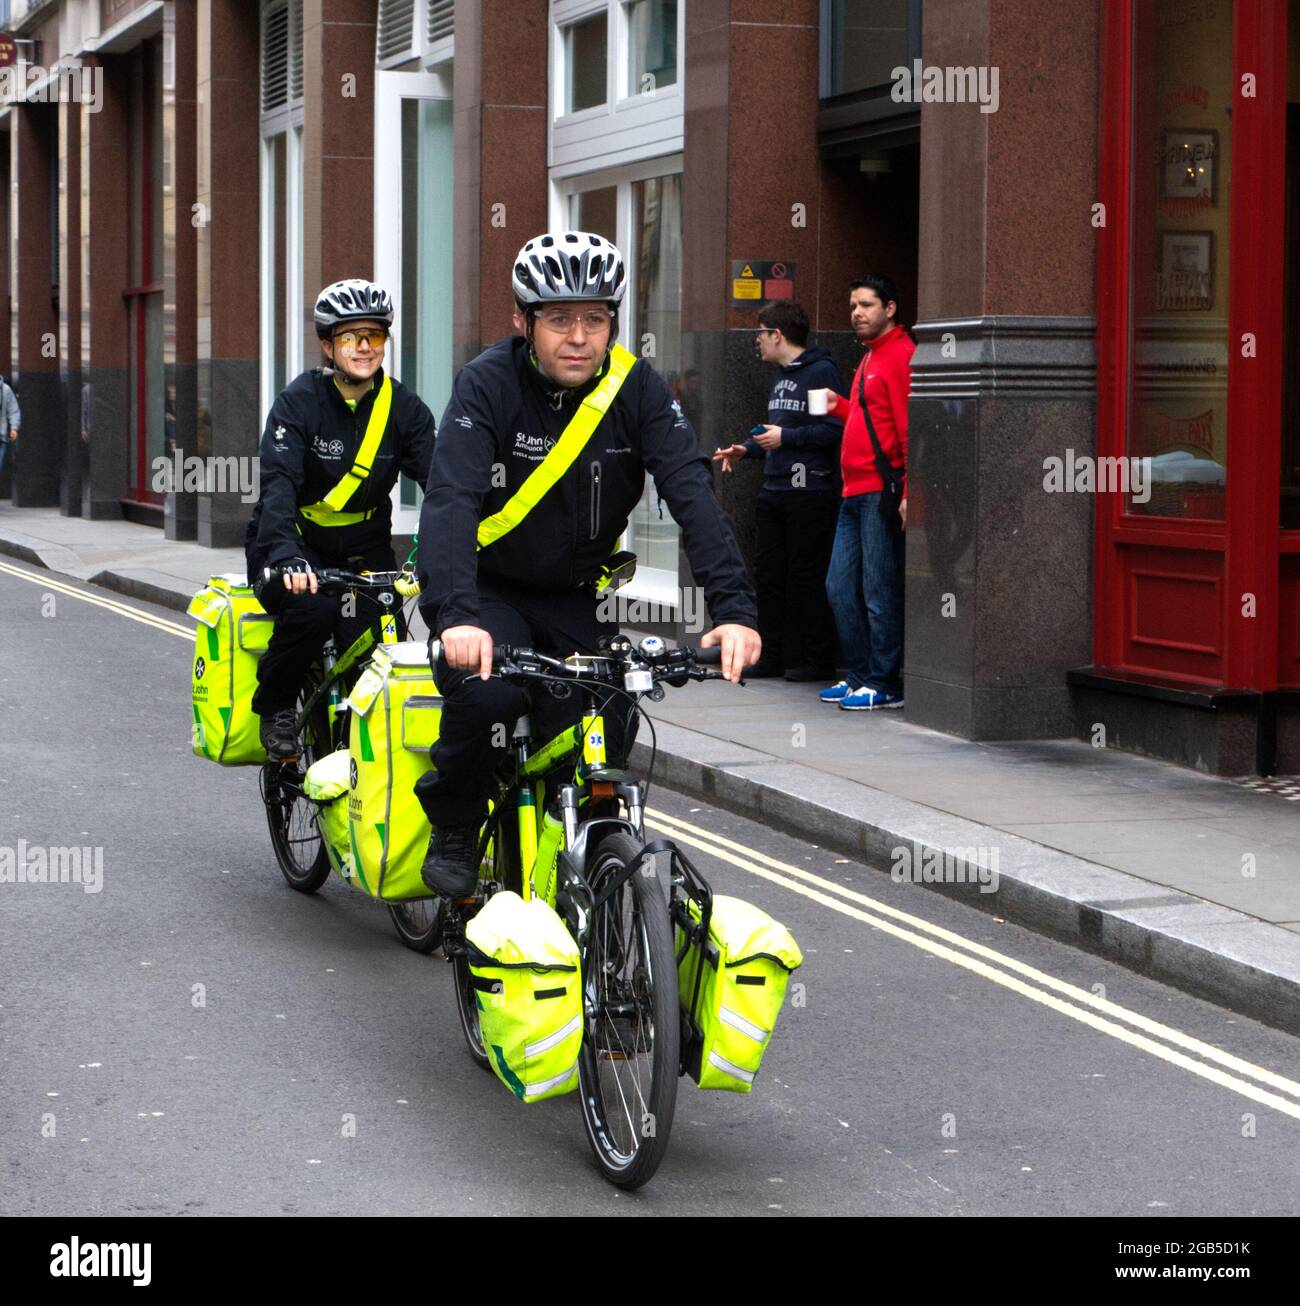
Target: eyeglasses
{"points": [[375, 338], [593, 321], [762, 331]]}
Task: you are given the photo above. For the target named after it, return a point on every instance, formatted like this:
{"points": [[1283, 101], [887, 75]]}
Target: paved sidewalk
{"points": [[1189, 878]]}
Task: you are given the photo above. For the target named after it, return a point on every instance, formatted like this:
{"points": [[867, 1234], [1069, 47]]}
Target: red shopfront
{"points": [[1197, 564]]}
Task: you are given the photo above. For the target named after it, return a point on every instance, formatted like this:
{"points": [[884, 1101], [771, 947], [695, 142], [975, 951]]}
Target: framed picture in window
{"points": [[1185, 274], [1189, 164]]}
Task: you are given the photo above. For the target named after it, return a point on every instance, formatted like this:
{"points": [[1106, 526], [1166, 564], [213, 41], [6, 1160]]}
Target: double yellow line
{"points": [[1138, 1031], [47, 582]]}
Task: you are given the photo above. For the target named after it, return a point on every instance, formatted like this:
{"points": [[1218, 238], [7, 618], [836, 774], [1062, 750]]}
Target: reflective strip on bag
{"points": [[545, 1044], [746, 1027], [530, 1090], [727, 1068]]}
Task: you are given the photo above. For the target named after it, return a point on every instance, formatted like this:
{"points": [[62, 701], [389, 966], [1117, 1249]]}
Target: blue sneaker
{"points": [[867, 699], [835, 692]]}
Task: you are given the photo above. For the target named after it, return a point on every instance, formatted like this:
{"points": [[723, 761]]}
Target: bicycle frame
{"points": [[334, 669]]}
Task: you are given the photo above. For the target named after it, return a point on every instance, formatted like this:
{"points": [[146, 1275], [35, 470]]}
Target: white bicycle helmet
{"points": [[565, 266], [352, 300]]}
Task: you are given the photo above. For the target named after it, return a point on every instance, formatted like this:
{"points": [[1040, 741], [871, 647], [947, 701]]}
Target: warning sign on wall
{"points": [[754, 280]]}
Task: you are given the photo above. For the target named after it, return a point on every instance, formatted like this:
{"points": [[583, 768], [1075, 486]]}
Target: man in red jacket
{"points": [[865, 580]]}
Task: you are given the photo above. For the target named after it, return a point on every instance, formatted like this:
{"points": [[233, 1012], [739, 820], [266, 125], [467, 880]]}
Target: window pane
{"points": [[657, 214], [1182, 160], [868, 41], [280, 215], [585, 45], [597, 211], [651, 45], [426, 292]]}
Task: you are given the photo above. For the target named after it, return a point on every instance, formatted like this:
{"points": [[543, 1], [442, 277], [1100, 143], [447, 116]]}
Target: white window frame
{"points": [[430, 54], [285, 121], [390, 89], [652, 583], [627, 127]]}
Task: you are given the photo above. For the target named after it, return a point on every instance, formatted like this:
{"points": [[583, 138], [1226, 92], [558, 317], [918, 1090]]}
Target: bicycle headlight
{"points": [[638, 682]]}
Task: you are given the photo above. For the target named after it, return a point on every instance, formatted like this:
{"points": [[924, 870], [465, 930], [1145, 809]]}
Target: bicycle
{"points": [[611, 891], [322, 727]]}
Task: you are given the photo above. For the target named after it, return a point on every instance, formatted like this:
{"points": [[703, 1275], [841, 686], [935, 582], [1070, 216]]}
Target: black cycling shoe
{"points": [[449, 869], [278, 734]]}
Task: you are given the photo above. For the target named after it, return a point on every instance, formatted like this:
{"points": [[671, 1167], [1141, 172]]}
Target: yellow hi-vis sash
{"points": [[328, 512], [566, 449]]}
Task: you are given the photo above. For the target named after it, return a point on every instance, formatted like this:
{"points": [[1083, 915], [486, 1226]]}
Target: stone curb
{"points": [[1224, 956]]}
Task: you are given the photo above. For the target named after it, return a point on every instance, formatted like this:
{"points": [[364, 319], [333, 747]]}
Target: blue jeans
{"points": [[865, 589]]}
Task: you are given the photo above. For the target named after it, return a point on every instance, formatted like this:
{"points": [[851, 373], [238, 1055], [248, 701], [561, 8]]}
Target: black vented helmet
{"points": [[353, 300], [565, 266]]}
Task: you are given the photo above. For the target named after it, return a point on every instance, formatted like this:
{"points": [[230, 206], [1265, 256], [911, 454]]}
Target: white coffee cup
{"points": [[817, 403]]}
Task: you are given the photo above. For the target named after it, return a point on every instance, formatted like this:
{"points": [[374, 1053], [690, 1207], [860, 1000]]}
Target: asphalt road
{"points": [[920, 1076]]}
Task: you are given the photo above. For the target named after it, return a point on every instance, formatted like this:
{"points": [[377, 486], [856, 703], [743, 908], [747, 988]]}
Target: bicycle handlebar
{"points": [[635, 668], [332, 578]]}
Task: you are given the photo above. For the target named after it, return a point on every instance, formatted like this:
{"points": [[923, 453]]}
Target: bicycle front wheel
{"points": [[628, 1066], [291, 816]]}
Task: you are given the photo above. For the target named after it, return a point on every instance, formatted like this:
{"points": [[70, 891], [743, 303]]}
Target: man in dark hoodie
{"points": [[798, 502]]}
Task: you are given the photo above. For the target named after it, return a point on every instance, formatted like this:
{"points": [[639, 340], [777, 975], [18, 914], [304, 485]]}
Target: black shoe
{"points": [[450, 869], [278, 734], [801, 674], [763, 670]]}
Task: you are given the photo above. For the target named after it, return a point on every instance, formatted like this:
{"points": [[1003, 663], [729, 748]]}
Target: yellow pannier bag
{"points": [[327, 783], [233, 632], [527, 978], [748, 958], [395, 710]]}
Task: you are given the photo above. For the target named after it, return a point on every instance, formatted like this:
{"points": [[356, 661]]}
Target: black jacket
{"points": [[503, 417], [812, 442], [311, 439]]}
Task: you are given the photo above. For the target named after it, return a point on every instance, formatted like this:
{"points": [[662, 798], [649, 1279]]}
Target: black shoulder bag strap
{"points": [[891, 476]]}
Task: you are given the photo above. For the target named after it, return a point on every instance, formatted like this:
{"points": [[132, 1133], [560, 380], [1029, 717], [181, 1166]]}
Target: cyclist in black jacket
{"points": [[535, 583], [335, 440]]}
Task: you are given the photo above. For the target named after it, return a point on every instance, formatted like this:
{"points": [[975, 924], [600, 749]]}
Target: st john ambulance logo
{"points": [[199, 668], [352, 772]]}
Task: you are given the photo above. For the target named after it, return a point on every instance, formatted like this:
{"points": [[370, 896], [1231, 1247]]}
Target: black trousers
{"points": [[303, 622], [478, 716], [796, 529]]}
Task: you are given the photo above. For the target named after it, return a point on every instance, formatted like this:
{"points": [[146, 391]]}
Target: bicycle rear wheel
{"points": [[418, 923], [628, 1066], [291, 816]]}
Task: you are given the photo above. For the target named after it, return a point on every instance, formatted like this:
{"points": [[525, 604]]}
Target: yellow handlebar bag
{"points": [[747, 961], [395, 714], [232, 634]]}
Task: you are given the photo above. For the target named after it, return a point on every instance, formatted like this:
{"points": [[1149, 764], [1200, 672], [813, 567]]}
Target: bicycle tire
{"points": [[418, 923], [629, 954], [293, 818]]}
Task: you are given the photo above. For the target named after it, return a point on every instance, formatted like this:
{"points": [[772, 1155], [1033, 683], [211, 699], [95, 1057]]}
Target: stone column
{"points": [[999, 575], [500, 132], [226, 185], [35, 325], [73, 448], [338, 170], [180, 249], [104, 402]]}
